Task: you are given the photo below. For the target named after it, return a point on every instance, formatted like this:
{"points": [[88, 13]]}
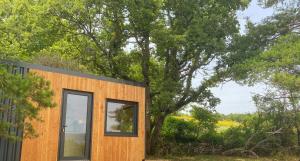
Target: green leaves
{"points": [[269, 52], [207, 119], [163, 43], [288, 81], [279, 61], [29, 95], [274, 34], [27, 29]]}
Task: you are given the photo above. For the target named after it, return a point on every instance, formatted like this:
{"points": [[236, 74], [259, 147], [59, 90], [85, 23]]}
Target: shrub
{"points": [[179, 130], [212, 138], [234, 137]]}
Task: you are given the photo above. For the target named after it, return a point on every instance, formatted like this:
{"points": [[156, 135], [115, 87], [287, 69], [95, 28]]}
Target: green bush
{"points": [[188, 136], [179, 130], [212, 138], [256, 135], [234, 137]]}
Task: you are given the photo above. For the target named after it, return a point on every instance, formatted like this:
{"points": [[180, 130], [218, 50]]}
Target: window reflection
{"points": [[120, 117], [75, 130]]}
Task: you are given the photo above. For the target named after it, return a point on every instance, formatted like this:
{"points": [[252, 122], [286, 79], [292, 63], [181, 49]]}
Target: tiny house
{"points": [[96, 119]]}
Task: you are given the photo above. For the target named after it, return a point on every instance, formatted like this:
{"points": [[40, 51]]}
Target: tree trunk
{"points": [[145, 71], [298, 136], [156, 133], [147, 121], [295, 109]]}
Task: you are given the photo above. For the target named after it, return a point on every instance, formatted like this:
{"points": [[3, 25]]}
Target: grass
{"points": [[224, 158]]}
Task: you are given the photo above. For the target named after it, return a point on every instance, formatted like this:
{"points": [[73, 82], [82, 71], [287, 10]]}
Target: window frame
{"points": [[134, 133]]}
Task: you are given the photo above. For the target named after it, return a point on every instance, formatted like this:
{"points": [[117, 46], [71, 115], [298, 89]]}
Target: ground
{"points": [[224, 158]]}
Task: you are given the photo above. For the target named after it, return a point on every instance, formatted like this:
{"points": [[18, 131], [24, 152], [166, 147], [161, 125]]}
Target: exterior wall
{"points": [[103, 148]]}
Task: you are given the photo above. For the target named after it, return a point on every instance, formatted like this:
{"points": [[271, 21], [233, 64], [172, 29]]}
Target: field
{"points": [[225, 158], [221, 125]]}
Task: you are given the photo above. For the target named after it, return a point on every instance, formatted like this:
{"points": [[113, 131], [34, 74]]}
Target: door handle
{"points": [[63, 128]]}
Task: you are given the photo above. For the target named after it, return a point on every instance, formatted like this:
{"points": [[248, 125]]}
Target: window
{"points": [[121, 118]]}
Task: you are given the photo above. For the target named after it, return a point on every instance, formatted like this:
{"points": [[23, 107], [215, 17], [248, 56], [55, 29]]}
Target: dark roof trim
{"points": [[70, 72]]}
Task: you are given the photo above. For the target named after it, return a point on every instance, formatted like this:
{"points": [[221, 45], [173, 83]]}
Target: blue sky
{"points": [[236, 98]]}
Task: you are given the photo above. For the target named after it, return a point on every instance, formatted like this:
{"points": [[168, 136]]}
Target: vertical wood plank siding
{"points": [[103, 148], [11, 150]]}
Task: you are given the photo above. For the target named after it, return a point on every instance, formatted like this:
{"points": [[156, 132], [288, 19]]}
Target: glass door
{"points": [[75, 134]]}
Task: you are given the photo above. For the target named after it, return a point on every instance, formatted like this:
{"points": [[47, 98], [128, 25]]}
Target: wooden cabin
{"points": [[96, 119]]}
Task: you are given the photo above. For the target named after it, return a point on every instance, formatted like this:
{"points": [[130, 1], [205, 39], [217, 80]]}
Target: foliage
{"points": [[240, 118], [270, 131], [28, 32], [165, 44], [57, 61], [207, 120], [170, 41], [235, 137], [186, 129], [278, 67], [179, 130], [265, 44], [28, 95], [276, 114], [26, 28], [269, 52]]}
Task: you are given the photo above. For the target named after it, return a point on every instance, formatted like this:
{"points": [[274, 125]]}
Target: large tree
{"points": [[270, 52], [163, 43], [167, 44]]}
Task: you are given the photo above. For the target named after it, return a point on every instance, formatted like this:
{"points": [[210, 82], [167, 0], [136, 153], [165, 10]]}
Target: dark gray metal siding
{"points": [[11, 150]]}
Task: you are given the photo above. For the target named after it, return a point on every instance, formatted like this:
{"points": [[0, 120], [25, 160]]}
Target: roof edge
{"points": [[70, 72]]}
